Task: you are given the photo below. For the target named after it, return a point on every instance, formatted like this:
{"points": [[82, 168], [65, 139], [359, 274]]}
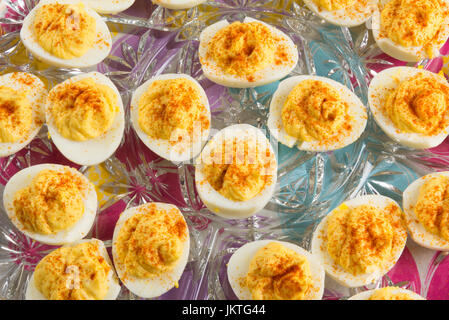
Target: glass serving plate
{"points": [[150, 40]]}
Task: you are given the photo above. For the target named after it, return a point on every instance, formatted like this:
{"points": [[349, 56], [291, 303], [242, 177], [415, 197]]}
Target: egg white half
{"points": [[365, 295], [416, 230], [335, 271], [216, 202], [351, 16], [36, 94], [178, 4], [238, 268], [380, 87], [32, 293], [178, 152], [356, 111], [400, 52], [93, 151], [78, 231], [267, 75], [158, 285], [100, 50]]}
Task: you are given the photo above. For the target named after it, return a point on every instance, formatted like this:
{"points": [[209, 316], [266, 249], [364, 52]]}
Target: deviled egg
{"points": [[236, 173], [50, 203], [85, 118], [22, 100], [170, 114], [246, 54], [426, 207], [150, 248], [411, 106], [387, 293], [347, 13], [361, 240], [275, 270], [316, 114], [66, 33], [78, 271], [178, 4], [411, 30]]}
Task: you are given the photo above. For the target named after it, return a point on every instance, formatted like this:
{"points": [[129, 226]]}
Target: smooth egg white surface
{"points": [[181, 151], [216, 202], [365, 295], [380, 87], [238, 267], [78, 231], [158, 285], [92, 151], [336, 272], [100, 50], [267, 75], [109, 6], [350, 16], [400, 52], [356, 110], [36, 94], [416, 230], [178, 4], [32, 293]]}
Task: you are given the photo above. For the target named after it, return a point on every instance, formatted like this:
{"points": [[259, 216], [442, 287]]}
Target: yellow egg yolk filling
{"points": [[390, 293], [331, 5], [413, 22], [172, 110], [73, 273], [420, 105], [65, 30], [279, 273], [363, 239], [151, 242], [15, 115], [314, 110], [51, 203], [83, 110], [432, 206], [243, 48], [239, 170]]}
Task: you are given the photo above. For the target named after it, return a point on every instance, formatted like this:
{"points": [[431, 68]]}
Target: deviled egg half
{"points": [[22, 101], [66, 33], [150, 248], [109, 6], [425, 203], [275, 270], [236, 173], [51, 203], [171, 115], [411, 106], [316, 114], [245, 54], [387, 293], [361, 240], [78, 271], [411, 30], [347, 13], [85, 118], [178, 4]]}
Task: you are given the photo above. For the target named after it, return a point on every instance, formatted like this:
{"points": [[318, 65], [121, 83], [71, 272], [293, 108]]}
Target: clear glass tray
{"points": [[150, 40]]}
